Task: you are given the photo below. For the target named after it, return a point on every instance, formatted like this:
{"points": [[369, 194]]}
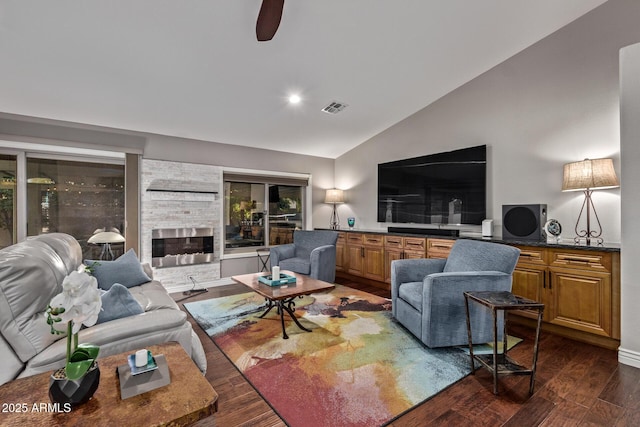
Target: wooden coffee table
{"points": [[188, 398], [282, 296]]}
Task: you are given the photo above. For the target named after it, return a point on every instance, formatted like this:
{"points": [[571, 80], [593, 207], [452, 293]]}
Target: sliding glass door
{"points": [[260, 214], [75, 197], [244, 214], [47, 192], [8, 207], [285, 213]]}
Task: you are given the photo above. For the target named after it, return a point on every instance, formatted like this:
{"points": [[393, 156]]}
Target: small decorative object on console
{"points": [[351, 221], [487, 228], [553, 229]]}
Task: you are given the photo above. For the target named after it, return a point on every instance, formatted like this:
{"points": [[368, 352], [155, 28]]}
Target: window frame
{"points": [[265, 178], [25, 151]]}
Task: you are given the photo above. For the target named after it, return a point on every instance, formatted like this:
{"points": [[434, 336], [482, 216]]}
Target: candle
{"points": [[141, 358], [275, 273]]}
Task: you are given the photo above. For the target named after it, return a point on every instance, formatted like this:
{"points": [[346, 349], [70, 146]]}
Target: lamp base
{"points": [[334, 221], [588, 241], [588, 234]]}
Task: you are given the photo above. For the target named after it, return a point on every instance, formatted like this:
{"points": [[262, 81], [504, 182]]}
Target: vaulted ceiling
{"points": [[195, 69]]}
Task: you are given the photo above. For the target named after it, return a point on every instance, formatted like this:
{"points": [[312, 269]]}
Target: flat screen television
{"points": [[443, 188]]}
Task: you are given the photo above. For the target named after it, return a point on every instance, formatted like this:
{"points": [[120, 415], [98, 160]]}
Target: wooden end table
{"points": [[282, 296], [501, 364], [188, 398]]}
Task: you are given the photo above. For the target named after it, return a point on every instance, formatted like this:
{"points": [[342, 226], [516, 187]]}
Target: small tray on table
{"points": [[283, 280]]}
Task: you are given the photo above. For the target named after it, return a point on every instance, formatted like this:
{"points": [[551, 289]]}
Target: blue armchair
{"points": [[312, 253], [427, 294]]}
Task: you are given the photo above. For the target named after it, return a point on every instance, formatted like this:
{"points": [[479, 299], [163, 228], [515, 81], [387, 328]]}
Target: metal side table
{"points": [[263, 259], [501, 364]]}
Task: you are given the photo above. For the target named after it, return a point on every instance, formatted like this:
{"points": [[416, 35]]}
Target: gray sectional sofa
{"points": [[31, 274]]}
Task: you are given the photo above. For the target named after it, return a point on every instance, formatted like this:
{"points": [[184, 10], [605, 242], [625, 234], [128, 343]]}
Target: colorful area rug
{"points": [[357, 367]]}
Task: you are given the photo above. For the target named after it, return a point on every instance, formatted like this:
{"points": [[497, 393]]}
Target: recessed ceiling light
{"points": [[294, 99]]}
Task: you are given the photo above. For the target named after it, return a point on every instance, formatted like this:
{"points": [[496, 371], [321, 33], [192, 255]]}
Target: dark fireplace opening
{"points": [[172, 247]]}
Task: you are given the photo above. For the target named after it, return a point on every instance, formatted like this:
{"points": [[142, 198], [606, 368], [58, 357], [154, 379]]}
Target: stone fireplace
{"points": [[176, 200], [174, 247]]}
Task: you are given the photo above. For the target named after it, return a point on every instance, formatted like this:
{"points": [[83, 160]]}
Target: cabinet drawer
{"points": [[529, 255], [440, 244], [373, 240], [439, 248], [584, 260], [393, 242], [415, 244], [354, 239]]}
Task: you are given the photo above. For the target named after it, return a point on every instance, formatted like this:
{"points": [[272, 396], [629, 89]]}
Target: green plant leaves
{"points": [[91, 350], [81, 360]]}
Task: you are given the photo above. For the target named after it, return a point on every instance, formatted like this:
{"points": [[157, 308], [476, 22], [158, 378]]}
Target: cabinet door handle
{"points": [[549, 280], [443, 246], [577, 259], [362, 252], [544, 280]]}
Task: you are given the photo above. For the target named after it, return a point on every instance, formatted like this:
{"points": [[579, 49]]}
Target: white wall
{"points": [[629, 352], [555, 102]]}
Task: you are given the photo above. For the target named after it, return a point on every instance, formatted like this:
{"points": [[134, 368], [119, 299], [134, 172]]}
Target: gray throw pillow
{"points": [[125, 270], [118, 302]]}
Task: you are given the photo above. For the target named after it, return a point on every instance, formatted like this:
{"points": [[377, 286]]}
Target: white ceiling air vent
{"points": [[335, 107]]}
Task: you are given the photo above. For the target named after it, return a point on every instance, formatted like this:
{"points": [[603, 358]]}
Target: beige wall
{"points": [[553, 103], [630, 149], [159, 147]]}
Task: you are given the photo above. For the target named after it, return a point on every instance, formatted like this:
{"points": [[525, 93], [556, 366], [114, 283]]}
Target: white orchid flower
{"points": [[80, 299]]}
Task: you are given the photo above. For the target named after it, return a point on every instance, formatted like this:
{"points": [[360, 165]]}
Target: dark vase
{"points": [[74, 392]]}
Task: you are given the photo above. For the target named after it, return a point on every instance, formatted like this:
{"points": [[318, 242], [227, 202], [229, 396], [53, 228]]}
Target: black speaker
{"points": [[524, 222]]}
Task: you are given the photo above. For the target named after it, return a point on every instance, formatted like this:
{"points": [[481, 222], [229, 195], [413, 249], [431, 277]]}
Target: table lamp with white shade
{"points": [[588, 175], [334, 196]]}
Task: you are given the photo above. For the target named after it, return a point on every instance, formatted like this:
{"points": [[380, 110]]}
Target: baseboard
{"points": [[629, 357]]}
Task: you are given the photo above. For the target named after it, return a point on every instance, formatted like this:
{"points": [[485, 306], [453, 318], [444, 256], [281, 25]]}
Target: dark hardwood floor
{"points": [[576, 385]]}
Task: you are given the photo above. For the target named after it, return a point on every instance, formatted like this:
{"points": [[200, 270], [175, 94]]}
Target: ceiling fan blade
{"points": [[269, 19]]}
